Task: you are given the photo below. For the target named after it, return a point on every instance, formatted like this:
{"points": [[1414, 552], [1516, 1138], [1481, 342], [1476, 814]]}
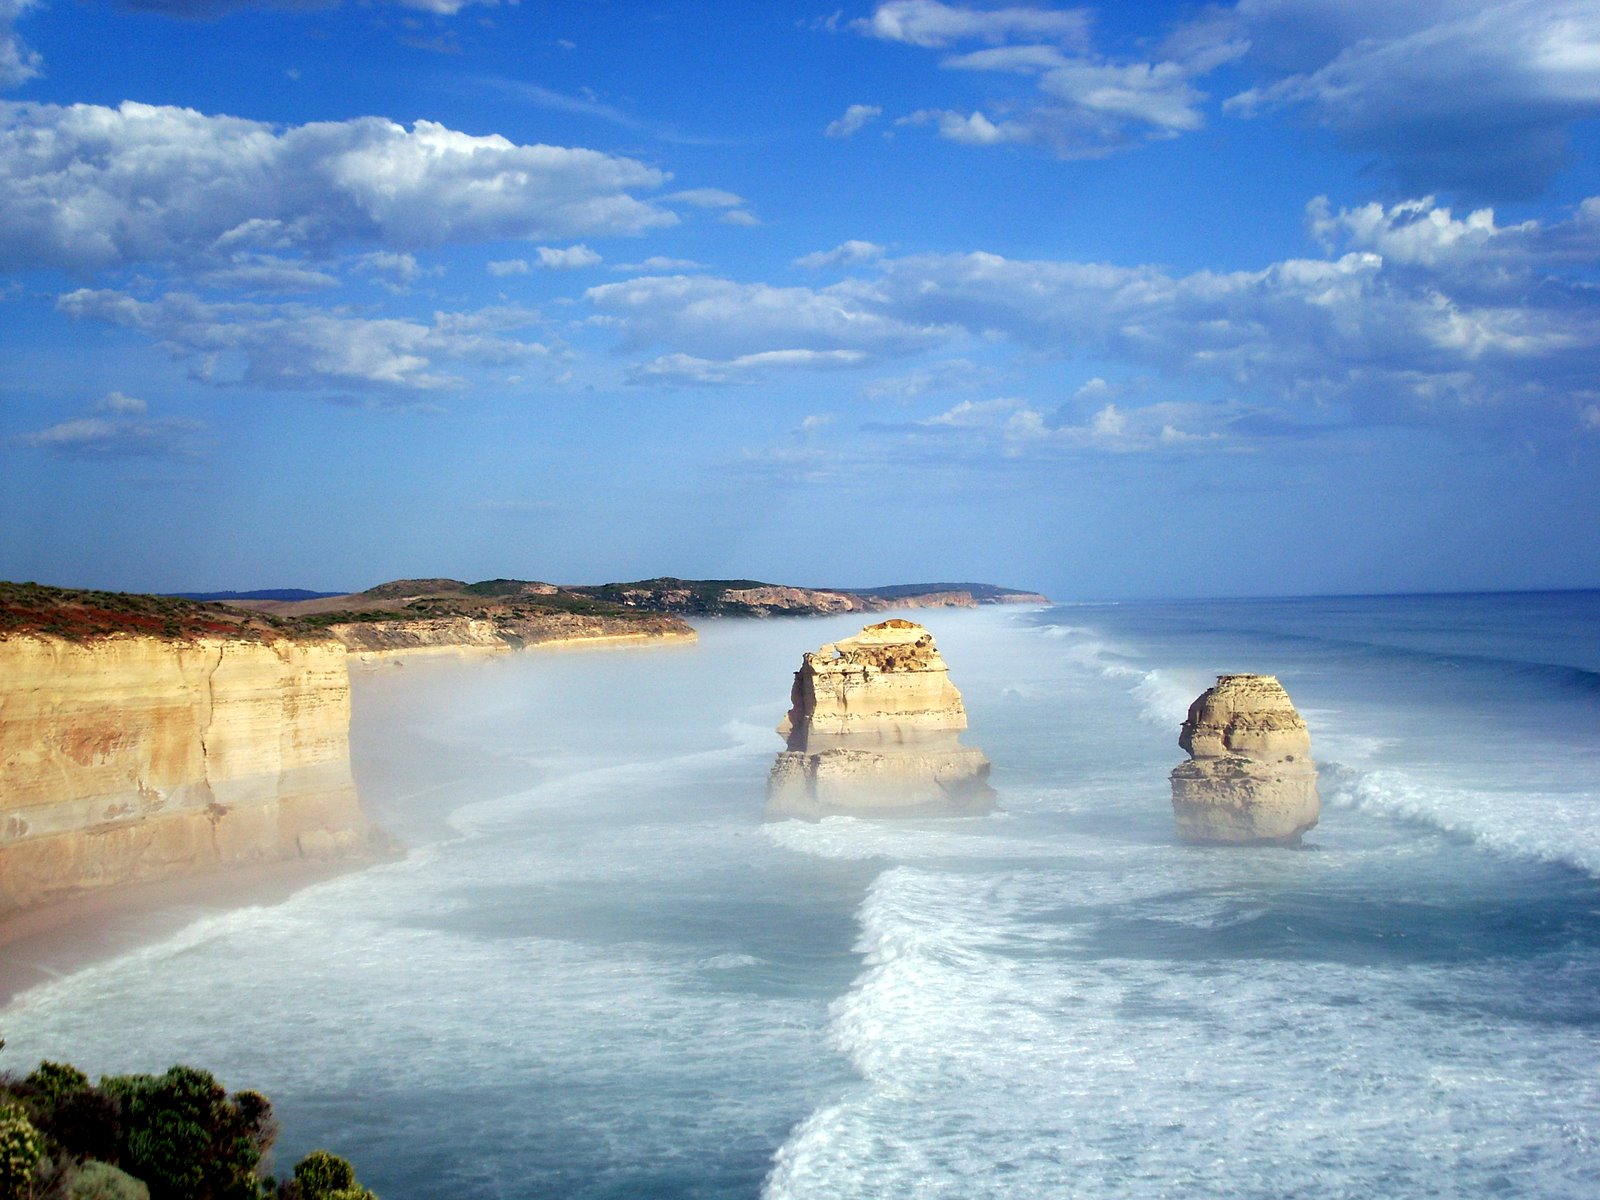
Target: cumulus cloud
{"points": [[1476, 97], [855, 118], [87, 187], [18, 63], [843, 255], [120, 427], [566, 258], [1469, 95], [1418, 314], [1085, 104], [719, 319], [296, 347], [933, 25]]}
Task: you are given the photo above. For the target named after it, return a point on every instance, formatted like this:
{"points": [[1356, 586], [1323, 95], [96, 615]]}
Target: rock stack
{"points": [[1250, 776], [872, 730]]}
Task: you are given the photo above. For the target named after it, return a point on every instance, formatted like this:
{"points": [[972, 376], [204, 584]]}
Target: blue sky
{"points": [[1282, 296]]}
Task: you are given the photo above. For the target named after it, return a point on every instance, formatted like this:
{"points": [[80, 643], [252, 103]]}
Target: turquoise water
{"points": [[599, 975]]}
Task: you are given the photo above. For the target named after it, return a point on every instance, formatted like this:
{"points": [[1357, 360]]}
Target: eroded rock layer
{"points": [[125, 759], [1250, 776], [872, 729]]}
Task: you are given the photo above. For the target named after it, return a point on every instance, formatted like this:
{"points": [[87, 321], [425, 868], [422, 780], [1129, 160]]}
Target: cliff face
{"points": [[1250, 777], [125, 759], [873, 728], [499, 632]]}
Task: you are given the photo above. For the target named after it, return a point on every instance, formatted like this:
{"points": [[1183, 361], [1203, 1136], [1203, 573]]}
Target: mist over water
{"points": [[599, 975]]}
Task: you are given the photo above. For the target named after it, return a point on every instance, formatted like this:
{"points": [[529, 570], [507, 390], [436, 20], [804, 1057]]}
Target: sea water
{"points": [[598, 974]]}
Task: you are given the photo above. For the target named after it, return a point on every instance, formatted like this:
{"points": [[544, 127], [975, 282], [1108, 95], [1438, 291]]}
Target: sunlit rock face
{"points": [[1250, 776], [136, 758], [873, 729]]}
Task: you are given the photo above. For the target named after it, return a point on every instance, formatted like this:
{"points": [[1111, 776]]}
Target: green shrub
{"points": [[102, 1181], [21, 1148]]}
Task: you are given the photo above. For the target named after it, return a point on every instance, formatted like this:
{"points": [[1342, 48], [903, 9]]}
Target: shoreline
{"points": [[53, 940], [56, 939]]}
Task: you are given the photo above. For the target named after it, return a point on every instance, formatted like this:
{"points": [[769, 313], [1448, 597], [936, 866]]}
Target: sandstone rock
{"points": [[873, 729], [1250, 777], [125, 759]]}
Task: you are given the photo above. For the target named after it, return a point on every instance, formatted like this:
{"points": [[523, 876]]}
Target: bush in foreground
{"points": [[177, 1136]]}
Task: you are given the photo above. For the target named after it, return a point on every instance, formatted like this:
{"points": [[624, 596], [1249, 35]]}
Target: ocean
{"points": [[599, 975]]}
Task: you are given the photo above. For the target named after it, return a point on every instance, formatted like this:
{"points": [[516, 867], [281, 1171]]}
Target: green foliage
{"points": [[324, 1176], [54, 1080], [102, 1181], [185, 1137], [176, 1136], [319, 1173], [21, 1148]]}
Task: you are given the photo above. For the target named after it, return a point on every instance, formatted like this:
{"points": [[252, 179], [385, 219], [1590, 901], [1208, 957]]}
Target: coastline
{"points": [[45, 943]]}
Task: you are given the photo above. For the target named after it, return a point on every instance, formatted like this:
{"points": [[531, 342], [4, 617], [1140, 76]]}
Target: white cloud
{"points": [[1418, 315], [397, 272], [686, 370], [1084, 105], [718, 318], [508, 266], [706, 198], [658, 262], [86, 187], [1470, 95], [119, 402], [843, 255], [211, 9], [738, 216], [567, 258], [973, 130], [854, 119], [18, 63], [266, 273], [296, 347], [120, 427], [932, 25]]}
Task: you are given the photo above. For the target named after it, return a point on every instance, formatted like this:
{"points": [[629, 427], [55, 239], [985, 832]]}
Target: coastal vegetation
{"points": [[176, 1136]]}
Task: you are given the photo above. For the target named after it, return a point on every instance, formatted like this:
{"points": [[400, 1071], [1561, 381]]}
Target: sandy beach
{"points": [[45, 943]]}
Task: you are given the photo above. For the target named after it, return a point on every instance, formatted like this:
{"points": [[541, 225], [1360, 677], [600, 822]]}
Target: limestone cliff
{"points": [[495, 632], [1250, 777], [134, 757], [873, 729]]}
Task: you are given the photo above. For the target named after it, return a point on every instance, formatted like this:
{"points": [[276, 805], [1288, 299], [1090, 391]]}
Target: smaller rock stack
{"points": [[872, 731], [1250, 776]]}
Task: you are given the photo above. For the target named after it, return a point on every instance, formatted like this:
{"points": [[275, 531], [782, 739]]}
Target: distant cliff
{"points": [[411, 616], [752, 598], [142, 738]]}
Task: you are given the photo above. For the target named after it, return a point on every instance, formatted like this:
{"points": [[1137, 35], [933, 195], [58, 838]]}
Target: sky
{"points": [[1132, 300]]}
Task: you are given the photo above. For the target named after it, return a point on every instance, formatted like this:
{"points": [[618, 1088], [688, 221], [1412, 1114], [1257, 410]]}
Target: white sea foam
{"points": [[1544, 827]]}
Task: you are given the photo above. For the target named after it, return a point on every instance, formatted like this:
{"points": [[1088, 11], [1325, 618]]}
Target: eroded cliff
{"points": [[1250, 776], [873, 729], [126, 758]]}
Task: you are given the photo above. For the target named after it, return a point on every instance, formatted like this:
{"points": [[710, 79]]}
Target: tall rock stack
{"points": [[1250, 776], [872, 730]]}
